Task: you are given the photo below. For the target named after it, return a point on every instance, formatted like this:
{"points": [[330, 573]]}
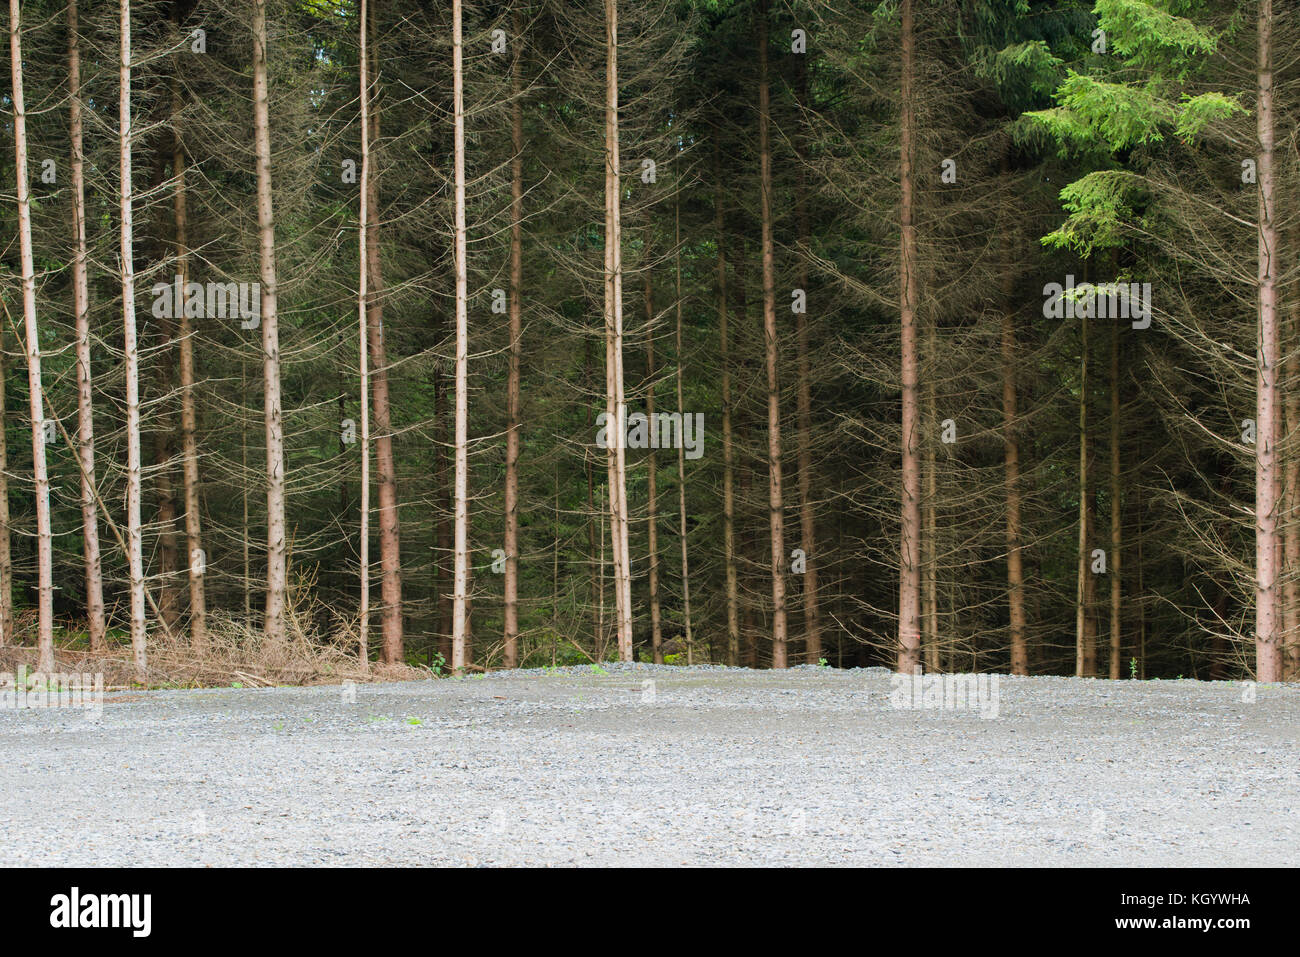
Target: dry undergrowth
{"points": [[233, 654]]}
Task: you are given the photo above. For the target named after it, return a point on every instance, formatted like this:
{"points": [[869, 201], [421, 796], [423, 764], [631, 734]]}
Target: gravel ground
{"points": [[660, 766]]}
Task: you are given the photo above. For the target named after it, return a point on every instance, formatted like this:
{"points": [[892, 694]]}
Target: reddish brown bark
{"points": [[196, 557], [390, 552], [95, 621], [776, 507], [1011, 457], [728, 454], [511, 584]]}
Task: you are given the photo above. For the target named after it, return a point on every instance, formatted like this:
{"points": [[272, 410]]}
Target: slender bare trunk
{"points": [[40, 476], [444, 560], [390, 549], [81, 307], [189, 418], [652, 483], [277, 572], [511, 611], [1268, 657], [748, 541], [681, 446], [728, 454], [597, 606], [615, 405], [1138, 586], [1116, 537], [776, 507], [6, 557], [909, 575], [1291, 547], [803, 435], [1092, 613], [461, 586], [135, 556], [363, 341], [1011, 455], [163, 440], [247, 581], [929, 537], [169, 595], [1081, 585]]}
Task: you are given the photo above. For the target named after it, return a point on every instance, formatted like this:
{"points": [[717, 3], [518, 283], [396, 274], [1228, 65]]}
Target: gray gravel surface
{"points": [[706, 766]]}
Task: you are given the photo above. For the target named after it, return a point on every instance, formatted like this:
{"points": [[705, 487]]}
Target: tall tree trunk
{"points": [[247, 581], [929, 537], [615, 404], [909, 575], [1116, 539], [6, 557], [681, 446], [1291, 548], [444, 559], [803, 435], [776, 507], [189, 418], [40, 476], [1081, 611], [169, 595], [364, 343], [94, 574], [461, 585], [511, 611], [277, 572], [652, 482], [747, 543], [135, 556], [1011, 457], [163, 438], [594, 569], [728, 455], [1268, 656], [390, 550], [1138, 588]]}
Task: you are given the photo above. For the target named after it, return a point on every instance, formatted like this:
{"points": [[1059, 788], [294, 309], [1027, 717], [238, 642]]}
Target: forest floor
{"points": [[660, 766]]}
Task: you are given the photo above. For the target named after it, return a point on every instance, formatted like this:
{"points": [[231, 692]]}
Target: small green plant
{"points": [[437, 664], [598, 670], [822, 662], [236, 684], [1133, 668], [414, 721], [672, 659]]}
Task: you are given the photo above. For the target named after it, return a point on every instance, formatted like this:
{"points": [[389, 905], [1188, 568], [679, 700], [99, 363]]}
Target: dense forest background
{"points": [[831, 229]]}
